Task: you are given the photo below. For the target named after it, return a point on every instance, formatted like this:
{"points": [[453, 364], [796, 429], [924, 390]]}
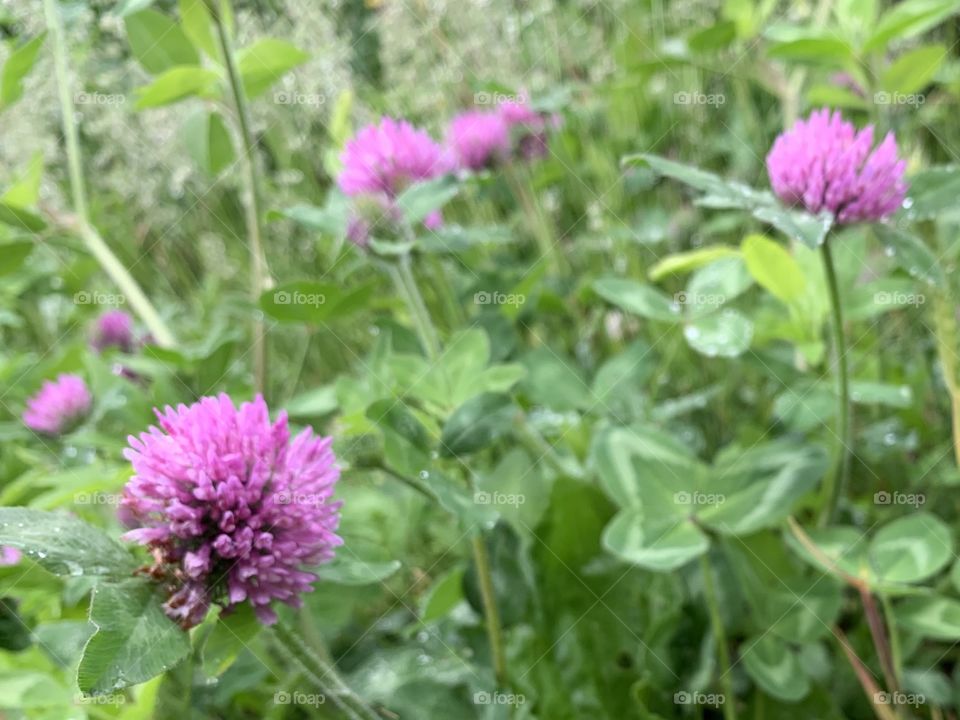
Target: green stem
{"points": [[492, 616], [402, 274], [870, 688], [95, 243], [880, 642], [896, 652], [445, 290], [945, 324], [720, 637], [537, 224], [541, 449], [836, 482], [252, 202], [322, 673]]}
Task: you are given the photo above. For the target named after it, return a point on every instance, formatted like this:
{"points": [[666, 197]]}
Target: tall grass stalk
{"points": [[81, 224], [252, 196]]}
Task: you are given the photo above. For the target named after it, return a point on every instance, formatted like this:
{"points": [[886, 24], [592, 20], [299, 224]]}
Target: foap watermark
{"points": [[497, 98], [97, 498], [699, 299], [294, 498], [714, 700], [898, 98], [699, 98], [899, 298], [285, 297], [498, 698], [291, 97], [899, 698], [105, 699], [914, 500], [499, 498], [281, 697], [86, 297], [99, 98], [699, 498], [499, 298]]}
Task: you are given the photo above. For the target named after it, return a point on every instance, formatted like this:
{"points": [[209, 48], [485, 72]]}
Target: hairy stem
{"points": [[720, 637], [401, 273], [870, 688], [322, 674], [110, 263], [490, 612], [251, 204], [945, 323], [541, 449], [454, 311], [537, 223], [836, 482], [880, 641], [896, 652]]}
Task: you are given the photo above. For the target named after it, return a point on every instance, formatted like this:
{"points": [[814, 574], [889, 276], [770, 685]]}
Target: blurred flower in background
{"points": [[113, 329], [527, 127], [478, 139], [379, 162], [59, 406], [387, 157]]}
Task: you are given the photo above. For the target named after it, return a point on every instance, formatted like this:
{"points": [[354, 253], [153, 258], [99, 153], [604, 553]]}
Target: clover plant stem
{"points": [[536, 222], [896, 653], [720, 637], [880, 642], [490, 612], [945, 324], [836, 481], [97, 246], [401, 272], [445, 290], [403, 278], [870, 688], [540, 448], [322, 673], [252, 200]]}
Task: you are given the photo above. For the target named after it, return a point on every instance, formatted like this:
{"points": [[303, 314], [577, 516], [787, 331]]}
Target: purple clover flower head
{"points": [[823, 163], [232, 508], [386, 157], [59, 406], [528, 127], [9, 556], [517, 112], [478, 139], [378, 164], [114, 328]]}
